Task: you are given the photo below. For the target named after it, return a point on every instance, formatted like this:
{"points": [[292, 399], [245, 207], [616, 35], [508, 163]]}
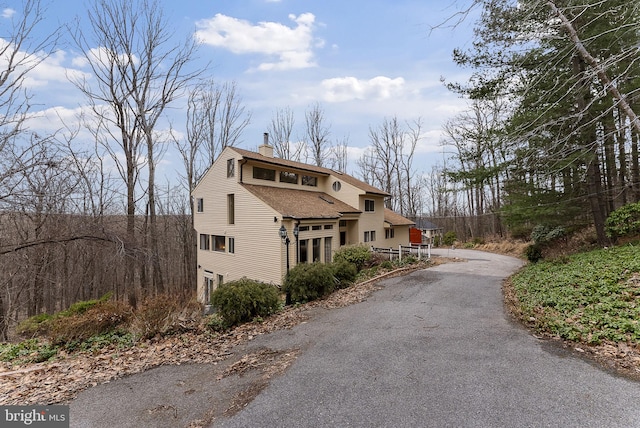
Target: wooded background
{"points": [[550, 139]]}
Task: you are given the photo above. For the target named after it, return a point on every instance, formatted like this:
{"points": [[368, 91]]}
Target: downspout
{"points": [[297, 240], [241, 162]]}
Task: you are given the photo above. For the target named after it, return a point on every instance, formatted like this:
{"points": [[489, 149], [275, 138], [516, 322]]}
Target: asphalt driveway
{"points": [[435, 349], [430, 349]]}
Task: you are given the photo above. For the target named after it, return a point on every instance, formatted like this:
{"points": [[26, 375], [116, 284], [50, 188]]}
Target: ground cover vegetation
{"points": [[586, 297]]}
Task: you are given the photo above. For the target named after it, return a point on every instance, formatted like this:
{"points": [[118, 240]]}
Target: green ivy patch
{"points": [[589, 297]]}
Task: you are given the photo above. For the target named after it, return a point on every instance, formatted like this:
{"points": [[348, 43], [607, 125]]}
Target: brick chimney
{"points": [[265, 149]]}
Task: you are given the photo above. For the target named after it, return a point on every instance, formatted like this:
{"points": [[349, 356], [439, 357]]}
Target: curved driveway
{"points": [[435, 349]]}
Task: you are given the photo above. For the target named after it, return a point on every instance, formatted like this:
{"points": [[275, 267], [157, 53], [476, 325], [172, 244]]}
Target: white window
{"points": [[232, 245], [200, 205]]}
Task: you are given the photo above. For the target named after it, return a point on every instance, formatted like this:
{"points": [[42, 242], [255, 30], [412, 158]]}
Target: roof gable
{"points": [[395, 219]]}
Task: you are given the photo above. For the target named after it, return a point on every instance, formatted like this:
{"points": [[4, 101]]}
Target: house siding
{"points": [[257, 243], [372, 221]]}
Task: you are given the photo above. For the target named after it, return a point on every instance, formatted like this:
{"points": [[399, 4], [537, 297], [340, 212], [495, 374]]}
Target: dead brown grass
{"points": [[99, 319], [507, 247]]}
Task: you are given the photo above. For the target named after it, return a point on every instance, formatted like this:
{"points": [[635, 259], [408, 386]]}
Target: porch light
{"points": [[283, 233]]}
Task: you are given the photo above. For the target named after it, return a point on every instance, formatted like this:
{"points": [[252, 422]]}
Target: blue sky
{"points": [[362, 61]]}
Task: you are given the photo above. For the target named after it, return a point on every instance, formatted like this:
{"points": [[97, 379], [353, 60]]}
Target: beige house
{"points": [[247, 200]]}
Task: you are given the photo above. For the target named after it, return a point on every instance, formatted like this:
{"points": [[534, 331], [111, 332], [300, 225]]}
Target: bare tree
{"points": [[389, 164], [20, 151], [280, 129], [317, 134], [138, 73], [340, 155], [233, 118]]}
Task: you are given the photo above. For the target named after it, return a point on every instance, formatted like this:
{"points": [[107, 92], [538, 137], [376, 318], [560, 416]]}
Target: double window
{"points": [[369, 205], [218, 243], [370, 236]]}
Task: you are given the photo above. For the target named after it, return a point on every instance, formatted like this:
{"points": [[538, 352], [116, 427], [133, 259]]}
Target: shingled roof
{"points": [[367, 188], [301, 204], [395, 219]]}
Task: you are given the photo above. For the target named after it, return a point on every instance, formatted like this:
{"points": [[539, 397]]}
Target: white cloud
{"points": [[292, 46], [342, 89], [8, 12]]}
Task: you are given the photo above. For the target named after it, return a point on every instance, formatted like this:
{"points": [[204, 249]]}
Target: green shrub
{"points": [[624, 221], [359, 255], [309, 281], [436, 241], [533, 253], [449, 238], [344, 272], [543, 234], [243, 300]]}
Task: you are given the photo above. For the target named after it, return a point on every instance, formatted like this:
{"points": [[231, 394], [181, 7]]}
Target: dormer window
{"points": [[308, 180], [288, 177], [264, 173]]}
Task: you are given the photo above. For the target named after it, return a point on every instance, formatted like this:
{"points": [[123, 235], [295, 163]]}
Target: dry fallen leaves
{"points": [[61, 380]]}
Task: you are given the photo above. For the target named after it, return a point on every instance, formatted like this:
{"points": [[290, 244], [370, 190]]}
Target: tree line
{"points": [[551, 135], [83, 211]]}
